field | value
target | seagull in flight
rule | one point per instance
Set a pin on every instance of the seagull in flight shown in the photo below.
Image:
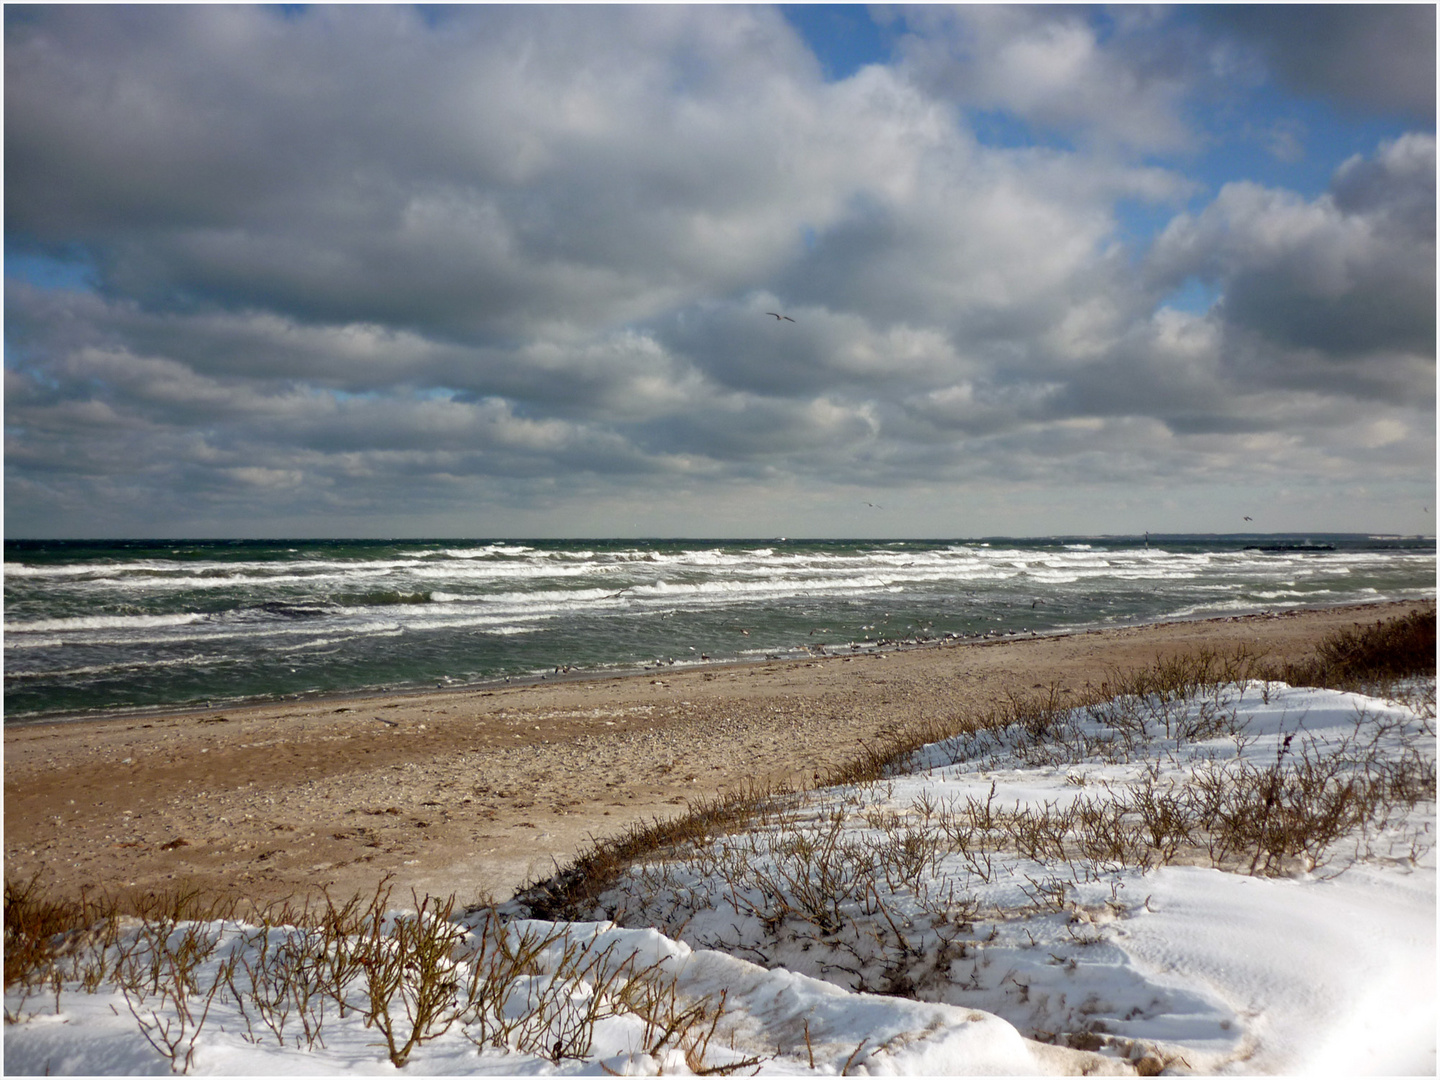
(779, 316)
(1248, 518)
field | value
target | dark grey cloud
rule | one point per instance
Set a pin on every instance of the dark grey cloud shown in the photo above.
(1368, 56)
(356, 164)
(1345, 276)
(507, 268)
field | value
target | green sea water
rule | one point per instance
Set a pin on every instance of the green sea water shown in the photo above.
(99, 626)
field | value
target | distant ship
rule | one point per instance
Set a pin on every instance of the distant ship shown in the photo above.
(1290, 547)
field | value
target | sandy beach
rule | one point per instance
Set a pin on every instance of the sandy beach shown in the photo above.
(477, 791)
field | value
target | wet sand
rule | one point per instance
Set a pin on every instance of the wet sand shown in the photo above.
(477, 791)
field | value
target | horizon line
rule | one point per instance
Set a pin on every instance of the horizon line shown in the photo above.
(772, 539)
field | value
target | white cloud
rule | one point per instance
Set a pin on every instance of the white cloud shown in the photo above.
(1052, 69)
(1349, 273)
(522, 256)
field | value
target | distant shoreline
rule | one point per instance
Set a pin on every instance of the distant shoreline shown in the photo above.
(1056, 537)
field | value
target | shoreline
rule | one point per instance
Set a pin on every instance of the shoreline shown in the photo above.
(791, 655)
(477, 790)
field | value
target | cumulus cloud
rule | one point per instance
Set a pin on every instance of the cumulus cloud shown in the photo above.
(1057, 70)
(500, 174)
(392, 267)
(1347, 276)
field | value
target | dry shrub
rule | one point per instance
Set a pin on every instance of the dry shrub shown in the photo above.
(1365, 657)
(33, 920)
(41, 927)
(411, 976)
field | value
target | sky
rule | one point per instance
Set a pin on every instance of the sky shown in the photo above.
(505, 271)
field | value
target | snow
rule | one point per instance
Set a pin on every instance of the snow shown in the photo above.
(1325, 965)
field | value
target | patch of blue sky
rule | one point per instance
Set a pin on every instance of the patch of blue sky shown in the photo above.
(1282, 142)
(48, 272)
(1005, 131)
(843, 37)
(1292, 143)
(1138, 223)
(1194, 297)
(430, 15)
(434, 16)
(23, 356)
(16, 356)
(419, 393)
(19, 14)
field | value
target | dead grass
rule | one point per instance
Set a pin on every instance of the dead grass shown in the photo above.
(574, 888)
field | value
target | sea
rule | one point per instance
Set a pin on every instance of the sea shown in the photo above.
(114, 627)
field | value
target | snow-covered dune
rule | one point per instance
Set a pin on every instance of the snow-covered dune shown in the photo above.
(1193, 964)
